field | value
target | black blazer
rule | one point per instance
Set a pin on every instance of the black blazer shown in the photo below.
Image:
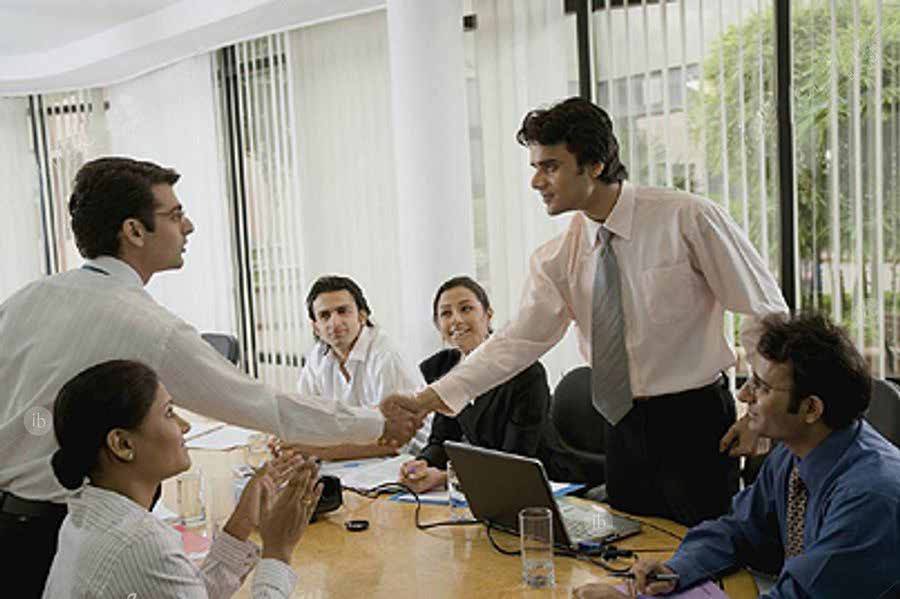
(513, 417)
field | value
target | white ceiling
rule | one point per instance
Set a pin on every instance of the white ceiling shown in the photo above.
(28, 26)
(52, 45)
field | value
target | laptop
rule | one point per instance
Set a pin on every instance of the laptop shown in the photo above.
(497, 485)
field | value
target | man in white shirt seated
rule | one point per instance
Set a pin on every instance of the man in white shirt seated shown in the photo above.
(353, 361)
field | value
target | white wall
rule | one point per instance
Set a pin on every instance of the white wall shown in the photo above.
(168, 117)
(21, 242)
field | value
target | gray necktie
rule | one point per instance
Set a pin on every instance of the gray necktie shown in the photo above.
(610, 384)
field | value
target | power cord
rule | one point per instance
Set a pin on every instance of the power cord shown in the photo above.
(605, 552)
(392, 488)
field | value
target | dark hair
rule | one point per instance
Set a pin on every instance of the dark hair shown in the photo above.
(461, 281)
(330, 283)
(586, 130)
(106, 192)
(114, 394)
(824, 363)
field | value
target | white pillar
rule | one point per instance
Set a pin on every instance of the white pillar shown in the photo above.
(431, 151)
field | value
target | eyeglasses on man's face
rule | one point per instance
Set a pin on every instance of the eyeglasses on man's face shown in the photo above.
(176, 214)
(756, 385)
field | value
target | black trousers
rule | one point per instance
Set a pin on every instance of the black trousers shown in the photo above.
(663, 458)
(29, 544)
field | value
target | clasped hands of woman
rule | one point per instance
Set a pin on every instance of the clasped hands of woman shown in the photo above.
(278, 501)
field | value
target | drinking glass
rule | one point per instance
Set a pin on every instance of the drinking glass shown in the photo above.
(536, 540)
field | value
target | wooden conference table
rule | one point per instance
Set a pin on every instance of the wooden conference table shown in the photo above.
(393, 559)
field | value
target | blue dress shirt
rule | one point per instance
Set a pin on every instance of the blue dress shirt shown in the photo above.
(852, 526)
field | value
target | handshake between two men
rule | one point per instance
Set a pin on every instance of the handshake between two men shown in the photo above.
(404, 415)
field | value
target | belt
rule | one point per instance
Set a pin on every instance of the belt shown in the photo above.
(721, 381)
(11, 504)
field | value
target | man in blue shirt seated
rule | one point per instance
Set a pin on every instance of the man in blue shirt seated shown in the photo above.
(827, 500)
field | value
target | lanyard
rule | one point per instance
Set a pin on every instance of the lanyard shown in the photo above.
(94, 269)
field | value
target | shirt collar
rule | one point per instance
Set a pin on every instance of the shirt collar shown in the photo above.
(113, 504)
(619, 221)
(814, 468)
(119, 270)
(360, 349)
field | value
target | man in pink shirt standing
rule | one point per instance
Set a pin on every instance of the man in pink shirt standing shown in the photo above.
(646, 275)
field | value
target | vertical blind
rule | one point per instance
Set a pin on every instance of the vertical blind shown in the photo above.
(692, 100)
(689, 85)
(254, 96)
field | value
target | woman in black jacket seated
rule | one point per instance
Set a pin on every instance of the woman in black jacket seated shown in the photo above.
(513, 416)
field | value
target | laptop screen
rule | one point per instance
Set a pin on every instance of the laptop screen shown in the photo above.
(498, 485)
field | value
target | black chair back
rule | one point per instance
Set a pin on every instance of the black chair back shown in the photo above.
(579, 424)
(227, 345)
(884, 409)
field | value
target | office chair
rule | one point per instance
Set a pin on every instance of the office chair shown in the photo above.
(581, 427)
(884, 409)
(227, 345)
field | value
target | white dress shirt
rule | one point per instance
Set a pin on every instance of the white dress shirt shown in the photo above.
(60, 325)
(109, 546)
(682, 263)
(376, 370)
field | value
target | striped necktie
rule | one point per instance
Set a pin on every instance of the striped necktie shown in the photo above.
(610, 382)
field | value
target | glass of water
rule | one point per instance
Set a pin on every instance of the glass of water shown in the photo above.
(256, 452)
(536, 541)
(455, 495)
(191, 494)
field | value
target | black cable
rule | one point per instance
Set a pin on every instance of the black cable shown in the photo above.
(603, 552)
(662, 530)
(581, 556)
(391, 488)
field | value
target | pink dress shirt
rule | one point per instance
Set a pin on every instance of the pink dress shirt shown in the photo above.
(682, 262)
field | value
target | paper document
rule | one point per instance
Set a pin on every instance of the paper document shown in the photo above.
(707, 590)
(225, 437)
(440, 496)
(368, 473)
(198, 429)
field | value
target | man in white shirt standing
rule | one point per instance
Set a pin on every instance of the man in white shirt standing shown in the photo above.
(352, 361)
(645, 274)
(129, 225)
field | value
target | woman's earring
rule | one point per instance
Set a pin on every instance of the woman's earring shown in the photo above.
(129, 456)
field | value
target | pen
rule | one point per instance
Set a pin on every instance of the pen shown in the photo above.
(652, 577)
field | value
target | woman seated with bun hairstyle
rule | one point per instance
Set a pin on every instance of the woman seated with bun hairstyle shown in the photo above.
(513, 417)
(119, 438)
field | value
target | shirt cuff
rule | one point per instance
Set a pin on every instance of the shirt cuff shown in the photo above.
(451, 393)
(275, 578)
(370, 429)
(688, 575)
(238, 556)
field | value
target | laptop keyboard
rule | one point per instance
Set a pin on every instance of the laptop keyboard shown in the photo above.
(583, 523)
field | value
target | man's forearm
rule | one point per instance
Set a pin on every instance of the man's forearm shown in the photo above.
(345, 451)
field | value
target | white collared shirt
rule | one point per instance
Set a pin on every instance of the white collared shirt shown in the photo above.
(109, 546)
(682, 262)
(58, 326)
(376, 370)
